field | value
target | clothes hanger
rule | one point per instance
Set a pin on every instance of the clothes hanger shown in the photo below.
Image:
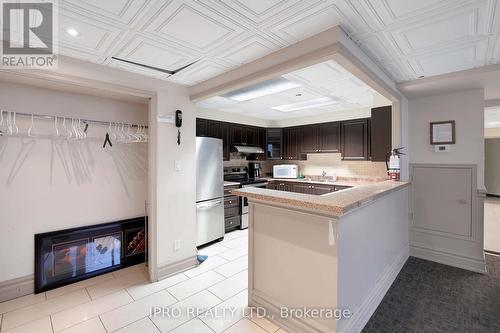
(106, 138)
(31, 127)
(55, 126)
(14, 123)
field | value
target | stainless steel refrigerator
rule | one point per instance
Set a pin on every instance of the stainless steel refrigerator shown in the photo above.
(209, 190)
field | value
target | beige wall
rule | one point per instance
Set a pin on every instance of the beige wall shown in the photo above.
(315, 164)
(333, 164)
(467, 109)
(175, 190)
(49, 185)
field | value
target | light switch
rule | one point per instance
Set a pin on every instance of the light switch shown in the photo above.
(178, 165)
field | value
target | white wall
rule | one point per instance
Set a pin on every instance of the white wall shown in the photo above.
(467, 109)
(175, 191)
(48, 185)
(171, 197)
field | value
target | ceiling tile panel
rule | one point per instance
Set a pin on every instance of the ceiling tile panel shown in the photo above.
(154, 53)
(247, 50)
(406, 38)
(119, 11)
(192, 25)
(470, 56)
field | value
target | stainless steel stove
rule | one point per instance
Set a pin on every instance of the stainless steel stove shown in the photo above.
(240, 175)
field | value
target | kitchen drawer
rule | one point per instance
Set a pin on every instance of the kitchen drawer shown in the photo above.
(232, 201)
(232, 222)
(228, 190)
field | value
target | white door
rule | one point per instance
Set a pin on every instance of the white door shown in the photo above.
(442, 200)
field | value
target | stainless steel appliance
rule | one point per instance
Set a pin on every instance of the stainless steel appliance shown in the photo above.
(241, 176)
(254, 170)
(285, 171)
(209, 190)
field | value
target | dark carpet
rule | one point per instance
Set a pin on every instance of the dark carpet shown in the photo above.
(431, 297)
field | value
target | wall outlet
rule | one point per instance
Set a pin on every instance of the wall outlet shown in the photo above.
(177, 245)
(177, 165)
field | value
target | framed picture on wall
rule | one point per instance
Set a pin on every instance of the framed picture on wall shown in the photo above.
(442, 132)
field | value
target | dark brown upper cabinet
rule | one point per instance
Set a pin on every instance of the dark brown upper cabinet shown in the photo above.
(291, 142)
(355, 139)
(329, 137)
(309, 139)
(274, 143)
(213, 129)
(321, 138)
(381, 133)
(252, 136)
(201, 127)
(238, 135)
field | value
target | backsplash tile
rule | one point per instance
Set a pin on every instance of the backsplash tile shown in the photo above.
(315, 164)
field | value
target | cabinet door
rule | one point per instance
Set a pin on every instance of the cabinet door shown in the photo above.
(355, 139)
(287, 144)
(329, 137)
(381, 133)
(302, 188)
(274, 143)
(283, 186)
(238, 135)
(226, 142)
(213, 129)
(309, 139)
(271, 186)
(201, 127)
(251, 137)
(322, 189)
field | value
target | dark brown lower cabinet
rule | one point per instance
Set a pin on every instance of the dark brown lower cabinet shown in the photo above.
(284, 186)
(322, 189)
(305, 188)
(232, 212)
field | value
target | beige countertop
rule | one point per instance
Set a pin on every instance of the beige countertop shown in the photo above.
(341, 181)
(336, 203)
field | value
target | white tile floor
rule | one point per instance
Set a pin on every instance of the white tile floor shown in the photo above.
(492, 224)
(122, 301)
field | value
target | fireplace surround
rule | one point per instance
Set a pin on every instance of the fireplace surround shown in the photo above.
(67, 256)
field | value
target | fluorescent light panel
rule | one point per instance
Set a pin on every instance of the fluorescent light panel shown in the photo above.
(310, 104)
(261, 89)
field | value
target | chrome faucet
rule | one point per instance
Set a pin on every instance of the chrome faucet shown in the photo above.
(323, 174)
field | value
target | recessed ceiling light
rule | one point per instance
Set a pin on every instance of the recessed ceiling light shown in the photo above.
(310, 104)
(261, 89)
(72, 32)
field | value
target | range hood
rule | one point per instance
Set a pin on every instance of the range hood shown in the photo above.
(246, 150)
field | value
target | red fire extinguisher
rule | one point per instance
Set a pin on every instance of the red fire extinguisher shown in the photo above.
(393, 163)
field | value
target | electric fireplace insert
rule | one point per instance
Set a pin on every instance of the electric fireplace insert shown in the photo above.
(67, 256)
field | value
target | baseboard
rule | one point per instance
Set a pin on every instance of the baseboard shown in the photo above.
(353, 324)
(450, 259)
(165, 271)
(17, 288)
(367, 308)
(291, 325)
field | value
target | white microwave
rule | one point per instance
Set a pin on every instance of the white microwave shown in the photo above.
(285, 171)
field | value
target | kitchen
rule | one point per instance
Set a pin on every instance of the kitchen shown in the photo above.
(226, 156)
(318, 157)
(321, 178)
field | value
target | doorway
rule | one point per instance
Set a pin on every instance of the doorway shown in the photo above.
(492, 180)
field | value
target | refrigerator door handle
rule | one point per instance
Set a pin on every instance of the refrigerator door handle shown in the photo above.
(202, 206)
